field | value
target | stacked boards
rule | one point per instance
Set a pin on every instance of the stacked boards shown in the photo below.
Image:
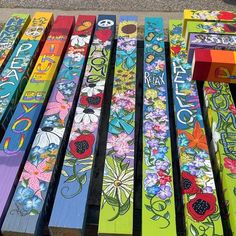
(50, 139)
(21, 63)
(70, 206)
(214, 60)
(20, 131)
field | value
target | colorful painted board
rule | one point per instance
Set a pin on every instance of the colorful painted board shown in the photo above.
(10, 35)
(18, 138)
(210, 41)
(158, 203)
(221, 113)
(205, 15)
(116, 211)
(214, 65)
(19, 66)
(73, 189)
(201, 208)
(208, 27)
(48, 142)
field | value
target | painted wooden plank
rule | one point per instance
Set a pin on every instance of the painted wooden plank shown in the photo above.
(69, 210)
(158, 203)
(206, 15)
(208, 27)
(221, 113)
(214, 65)
(201, 208)
(21, 130)
(50, 138)
(10, 35)
(20, 65)
(210, 41)
(116, 211)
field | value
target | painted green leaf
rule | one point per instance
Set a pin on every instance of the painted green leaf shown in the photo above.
(235, 191)
(124, 166)
(125, 207)
(83, 178)
(194, 230)
(231, 175)
(64, 173)
(148, 197)
(208, 224)
(155, 217)
(70, 178)
(111, 200)
(215, 217)
(148, 207)
(167, 215)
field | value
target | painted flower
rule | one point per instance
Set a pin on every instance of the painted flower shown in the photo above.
(164, 178)
(94, 100)
(162, 165)
(48, 135)
(94, 88)
(34, 174)
(79, 40)
(226, 15)
(202, 206)
(165, 192)
(120, 143)
(153, 190)
(189, 183)
(151, 180)
(22, 194)
(215, 136)
(197, 138)
(32, 204)
(61, 106)
(232, 108)
(151, 94)
(35, 154)
(117, 180)
(87, 115)
(70, 68)
(230, 164)
(82, 146)
(182, 140)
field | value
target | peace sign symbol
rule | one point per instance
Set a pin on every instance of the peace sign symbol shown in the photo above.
(105, 23)
(34, 31)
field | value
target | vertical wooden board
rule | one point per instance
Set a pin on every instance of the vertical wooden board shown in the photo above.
(210, 41)
(220, 104)
(206, 15)
(69, 210)
(21, 130)
(208, 27)
(19, 66)
(158, 203)
(116, 211)
(10, 35)
(201, 208)
(49, 140)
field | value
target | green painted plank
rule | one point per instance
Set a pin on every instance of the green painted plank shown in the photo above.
(158, 203)
(116, 213)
